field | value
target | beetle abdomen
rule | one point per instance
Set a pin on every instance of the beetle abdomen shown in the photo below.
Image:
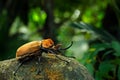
(28, 48)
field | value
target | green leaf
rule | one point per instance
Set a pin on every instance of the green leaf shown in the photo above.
(90, 68)
(100, 33)
(116, 61)
(105, 67)
(116, 46)
(98, 47)
(118, 73)
(98, 76)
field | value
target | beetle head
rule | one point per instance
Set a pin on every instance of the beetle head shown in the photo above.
(47, 43)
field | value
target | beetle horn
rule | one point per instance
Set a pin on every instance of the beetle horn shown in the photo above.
(67, 47)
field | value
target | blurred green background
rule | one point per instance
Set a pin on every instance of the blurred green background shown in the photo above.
(93, 26)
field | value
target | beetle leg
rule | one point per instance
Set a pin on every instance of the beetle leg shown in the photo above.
(61, 59)
(20, 64)
(53, 51)
(47, 50)
(39, 69)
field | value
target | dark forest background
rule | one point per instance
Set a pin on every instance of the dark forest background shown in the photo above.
(93, 26)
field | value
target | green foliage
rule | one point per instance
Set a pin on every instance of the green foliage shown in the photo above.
(98, 50)
(94, 14)
(37, 15)
(103, 57)
(116, 46)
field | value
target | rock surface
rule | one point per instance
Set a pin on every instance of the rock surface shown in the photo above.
(52, 68)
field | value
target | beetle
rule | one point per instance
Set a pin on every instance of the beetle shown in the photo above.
(35, 48)
(32, 48)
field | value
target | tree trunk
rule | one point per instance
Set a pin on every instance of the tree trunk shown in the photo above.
(49, 26)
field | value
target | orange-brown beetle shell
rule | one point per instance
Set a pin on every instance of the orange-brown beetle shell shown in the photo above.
(47, 43)
(32, 47)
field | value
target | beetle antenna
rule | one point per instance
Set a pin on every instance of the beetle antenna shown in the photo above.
(67, 47)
